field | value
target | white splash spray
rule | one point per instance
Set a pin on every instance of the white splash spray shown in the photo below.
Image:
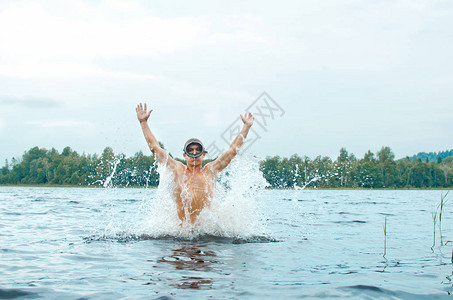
(108, 181)
(233, 213)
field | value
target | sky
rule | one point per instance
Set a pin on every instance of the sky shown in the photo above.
(342, 73)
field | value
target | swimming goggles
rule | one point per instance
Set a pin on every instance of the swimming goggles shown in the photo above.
(195, 155)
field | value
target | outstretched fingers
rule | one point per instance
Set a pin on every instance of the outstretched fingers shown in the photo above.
(142, 113)
(141, 107)
(248, 119)
(247, 116)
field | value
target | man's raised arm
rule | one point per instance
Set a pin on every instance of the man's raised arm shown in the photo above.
(159, 153)
(225, 158)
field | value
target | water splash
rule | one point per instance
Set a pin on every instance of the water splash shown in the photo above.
(314, 179)
(306, 184)
(233, 213)
(296, 197)
(108, 180)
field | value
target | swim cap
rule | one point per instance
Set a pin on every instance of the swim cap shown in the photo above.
(197, 142)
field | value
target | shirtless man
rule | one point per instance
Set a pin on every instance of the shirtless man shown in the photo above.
(194, 184)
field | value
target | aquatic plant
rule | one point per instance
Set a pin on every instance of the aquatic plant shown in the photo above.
(385, 236)
(437, 216)
(434, 215)
(441, 207)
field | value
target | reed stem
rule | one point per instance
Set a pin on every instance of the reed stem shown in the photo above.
(434, 214)
(441, 207)
(385, 237)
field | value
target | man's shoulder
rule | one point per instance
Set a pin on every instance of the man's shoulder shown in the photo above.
(180, 167)
(208, 169)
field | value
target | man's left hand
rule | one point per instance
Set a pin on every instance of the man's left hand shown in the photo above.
(248, 119)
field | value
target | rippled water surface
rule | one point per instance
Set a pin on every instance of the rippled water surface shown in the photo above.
(76, 242)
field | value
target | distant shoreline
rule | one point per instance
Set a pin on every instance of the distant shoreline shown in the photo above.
(267, 188)
(365, 189)
(75, 186)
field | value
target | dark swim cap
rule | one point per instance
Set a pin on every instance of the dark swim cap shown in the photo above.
(191, 142)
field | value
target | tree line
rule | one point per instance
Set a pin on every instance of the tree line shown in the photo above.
(433, 156)
(380, 170)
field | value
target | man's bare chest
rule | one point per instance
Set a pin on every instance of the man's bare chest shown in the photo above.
(197, 182)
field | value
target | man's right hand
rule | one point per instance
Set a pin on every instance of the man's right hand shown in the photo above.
(142, 114)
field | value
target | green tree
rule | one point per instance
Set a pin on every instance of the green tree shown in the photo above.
(421, 175)
(368, 172)
(5, 168)
(446, 166)
(344, 168)
(323, 169)
(437, 174)
(404, 172)
(388, 166)
(105, 167)
(269, 167)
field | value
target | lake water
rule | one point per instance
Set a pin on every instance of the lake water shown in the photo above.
(83, 242)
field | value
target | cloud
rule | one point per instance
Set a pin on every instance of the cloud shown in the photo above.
(82, 31)
(65, 70)
(51, 42)
(60, 123)
(35, 102)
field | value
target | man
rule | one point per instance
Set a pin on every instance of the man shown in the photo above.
(194, 185)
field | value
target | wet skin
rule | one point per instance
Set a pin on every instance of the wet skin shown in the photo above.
(194, 184)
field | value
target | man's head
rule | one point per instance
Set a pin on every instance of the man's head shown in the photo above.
(194, 148)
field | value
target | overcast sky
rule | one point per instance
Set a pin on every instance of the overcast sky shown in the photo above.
(344, 73)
